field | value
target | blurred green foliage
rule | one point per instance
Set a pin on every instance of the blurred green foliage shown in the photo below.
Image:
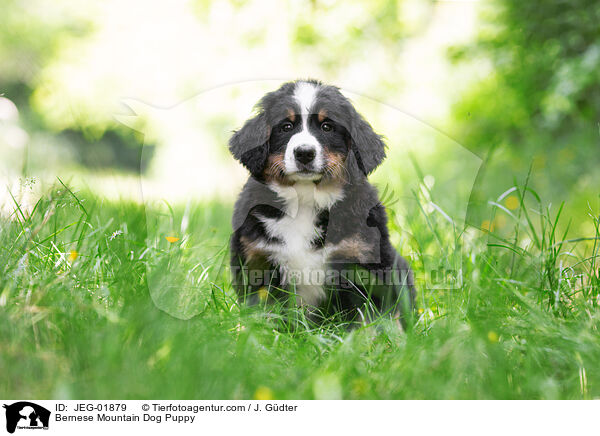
(61, 64)
(546, 73)
(539, 104)
(32, 34)
(340, 33)
(29, 37)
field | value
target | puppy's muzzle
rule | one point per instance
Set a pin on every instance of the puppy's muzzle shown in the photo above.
(304, 155)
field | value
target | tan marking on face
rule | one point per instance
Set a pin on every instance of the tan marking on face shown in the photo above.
(335, 167)
(291, 115)
(274, 170)
(322, 115)
(353, 248)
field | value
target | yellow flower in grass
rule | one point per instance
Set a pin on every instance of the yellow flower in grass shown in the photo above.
(263, 393)
(487, 226)
(263, 293)
(73, 255)
(172, 239)
(512, 202)
(492, 337)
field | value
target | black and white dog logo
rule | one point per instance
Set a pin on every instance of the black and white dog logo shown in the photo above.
(26, 415)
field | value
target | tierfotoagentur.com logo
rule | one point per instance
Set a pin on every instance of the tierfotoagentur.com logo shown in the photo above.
(26, 415)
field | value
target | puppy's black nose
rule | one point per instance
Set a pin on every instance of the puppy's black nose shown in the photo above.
(305, 155)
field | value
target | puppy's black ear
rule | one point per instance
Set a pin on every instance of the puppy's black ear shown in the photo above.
(368, 146)
(250, 145)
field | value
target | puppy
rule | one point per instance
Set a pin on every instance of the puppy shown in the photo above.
(308, 226)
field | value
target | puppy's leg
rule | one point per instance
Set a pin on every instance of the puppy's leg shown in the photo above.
(362, 292)
(401, 292)
(251, 280)
(254, 278)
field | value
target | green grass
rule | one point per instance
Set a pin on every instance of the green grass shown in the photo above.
(135, 316)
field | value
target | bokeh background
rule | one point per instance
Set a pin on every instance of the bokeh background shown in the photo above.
(103, 92)
(115, 180)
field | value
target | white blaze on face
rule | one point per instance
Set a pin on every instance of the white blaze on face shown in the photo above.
(305, 95)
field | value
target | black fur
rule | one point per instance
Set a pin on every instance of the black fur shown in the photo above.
(249, 144)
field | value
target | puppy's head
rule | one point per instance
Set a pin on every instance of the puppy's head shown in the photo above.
(307, 131)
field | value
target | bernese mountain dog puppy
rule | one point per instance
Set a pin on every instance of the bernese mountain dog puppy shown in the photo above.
(309, 228)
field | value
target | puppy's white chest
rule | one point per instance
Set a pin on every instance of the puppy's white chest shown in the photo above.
(296, 252)
(302, 264)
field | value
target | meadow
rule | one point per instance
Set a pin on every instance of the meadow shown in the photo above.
(100, 299)
(490, 112)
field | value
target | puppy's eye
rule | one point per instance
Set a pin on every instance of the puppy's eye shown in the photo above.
(286, 127)
(326, 127)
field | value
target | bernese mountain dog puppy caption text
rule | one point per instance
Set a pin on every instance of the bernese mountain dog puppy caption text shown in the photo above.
(309, 229)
